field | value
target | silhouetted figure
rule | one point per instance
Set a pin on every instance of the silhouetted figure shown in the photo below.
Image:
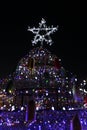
(76, 125)
(31, 110)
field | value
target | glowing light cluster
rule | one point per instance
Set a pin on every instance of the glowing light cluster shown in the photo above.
(41, 75)
(42, 33)
(83, 91)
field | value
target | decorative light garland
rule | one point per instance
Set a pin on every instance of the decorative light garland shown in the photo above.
(40, 35)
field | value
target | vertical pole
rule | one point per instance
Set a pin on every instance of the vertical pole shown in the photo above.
(39, 127)
(71, 124)
(26, 114)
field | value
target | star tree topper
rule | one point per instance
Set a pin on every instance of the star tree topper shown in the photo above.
(42, 33)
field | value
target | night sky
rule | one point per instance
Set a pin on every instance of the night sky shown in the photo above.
(69, 41)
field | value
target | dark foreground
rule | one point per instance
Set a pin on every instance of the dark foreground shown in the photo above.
(45, 120)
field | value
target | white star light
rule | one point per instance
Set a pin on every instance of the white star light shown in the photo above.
(42, 33)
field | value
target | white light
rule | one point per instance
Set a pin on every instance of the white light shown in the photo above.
(84, 81)
(75, 79)
(4, 106)
(46, 94)
(59, 59)
(80, 89)
(37, 108)
(66, 86)
(20, 67)
(3, 90)
(70, 108)
(22, 108)
(58, 91)
(69, 92)
(66, 77)
(35, 77)
(26, 91)
(85, 91)
(1, 108)
(42, 37)
(26, 76)
(85, 105)
(13, 108)
(64, 108)
(81, 84)
(52, 108)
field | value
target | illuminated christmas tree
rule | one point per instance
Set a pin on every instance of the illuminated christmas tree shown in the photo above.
(41, 78)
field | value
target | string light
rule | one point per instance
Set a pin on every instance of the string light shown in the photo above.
(40, 35)
(41, 76)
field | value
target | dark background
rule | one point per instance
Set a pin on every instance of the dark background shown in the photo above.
(69, 41)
